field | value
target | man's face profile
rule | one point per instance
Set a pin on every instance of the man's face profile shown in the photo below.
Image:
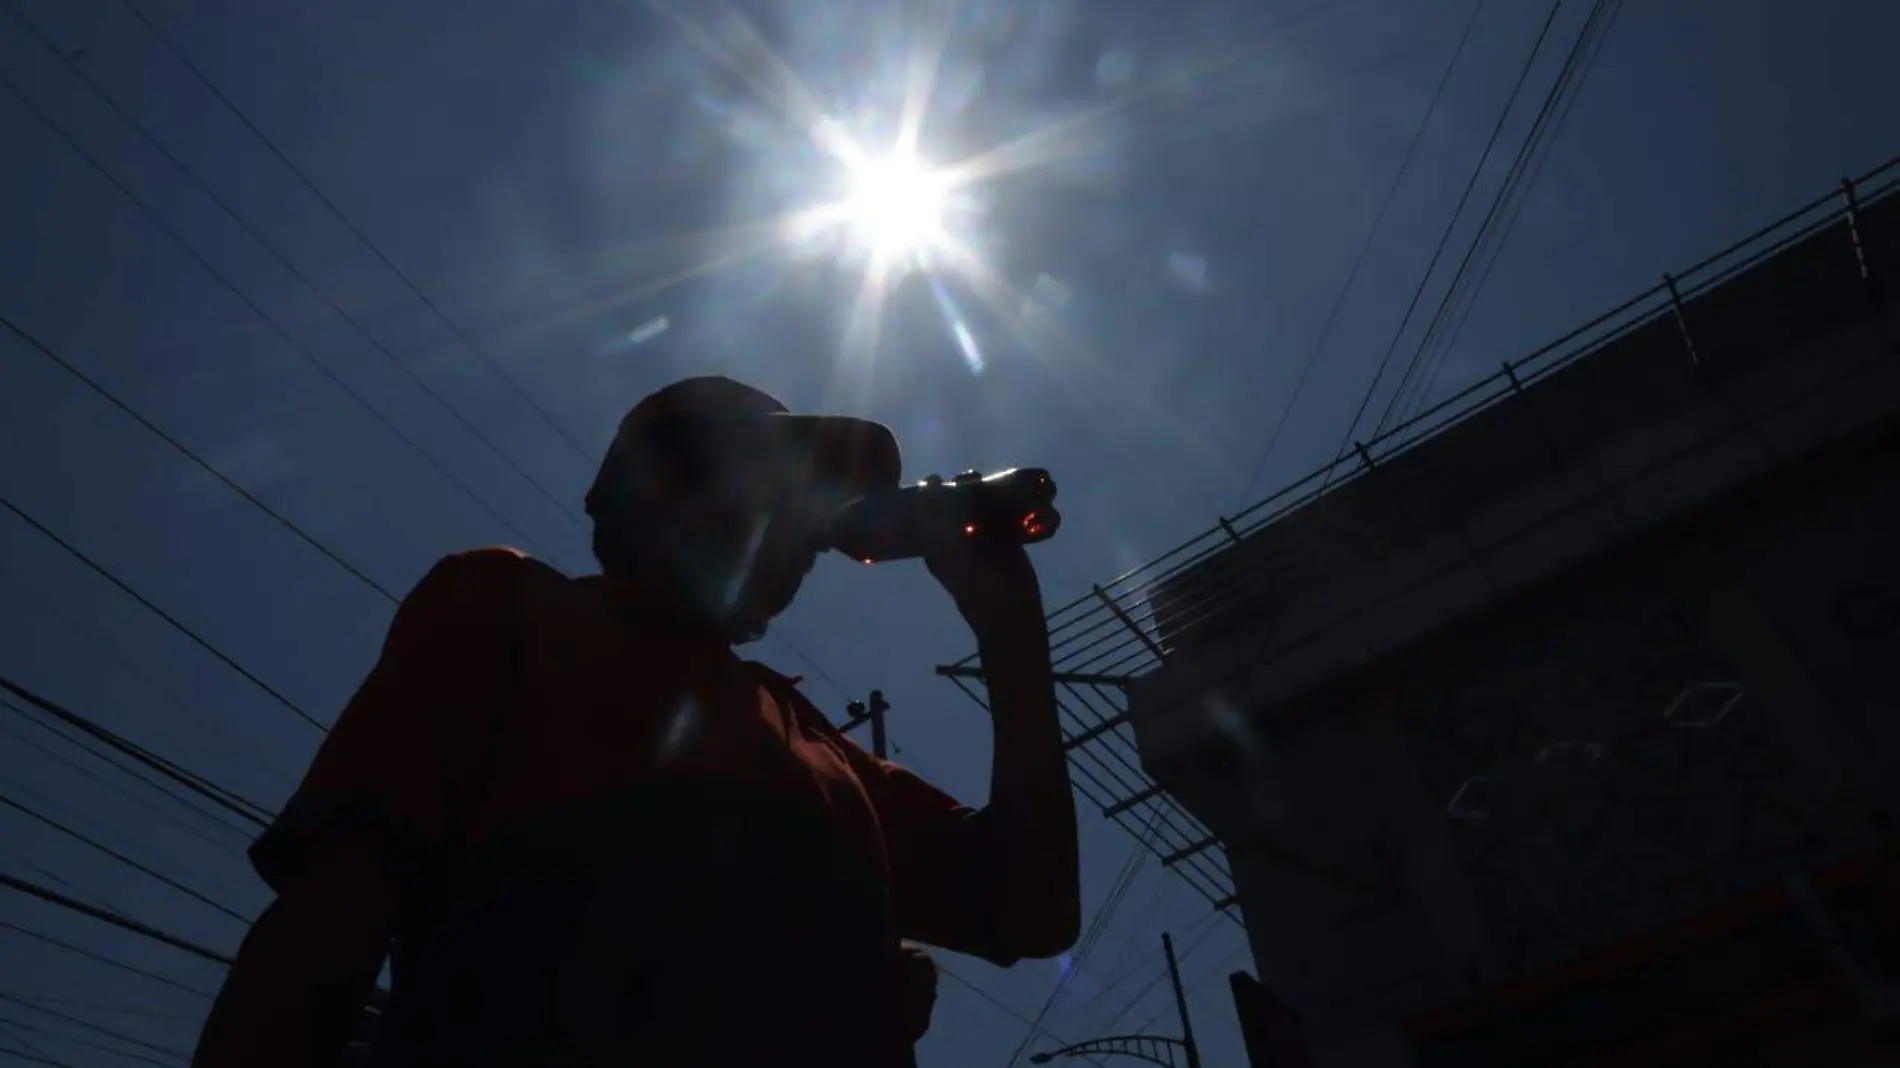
(734, 525)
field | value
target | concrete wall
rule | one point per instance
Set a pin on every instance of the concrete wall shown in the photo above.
(1398, 557)
(1684, 719)
(1533, 614)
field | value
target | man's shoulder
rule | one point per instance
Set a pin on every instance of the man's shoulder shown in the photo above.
(482, 577)
(783, 688)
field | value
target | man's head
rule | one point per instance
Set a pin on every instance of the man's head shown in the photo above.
(715, 492)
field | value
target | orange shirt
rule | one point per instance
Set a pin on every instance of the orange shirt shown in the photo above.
(619, 841)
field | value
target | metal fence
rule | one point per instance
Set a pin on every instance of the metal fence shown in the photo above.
(1105, 639)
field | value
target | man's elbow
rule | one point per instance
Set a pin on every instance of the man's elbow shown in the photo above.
(1040, 933)
(295, 992)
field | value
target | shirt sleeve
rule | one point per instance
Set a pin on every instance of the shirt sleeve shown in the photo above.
(944, 890)
(388, 775)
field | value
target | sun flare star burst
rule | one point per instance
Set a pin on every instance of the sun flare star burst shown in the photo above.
(895, 204)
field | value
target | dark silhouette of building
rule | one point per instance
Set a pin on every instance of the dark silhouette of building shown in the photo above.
(1557, 725)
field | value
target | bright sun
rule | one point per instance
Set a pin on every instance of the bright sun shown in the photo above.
(896, 204)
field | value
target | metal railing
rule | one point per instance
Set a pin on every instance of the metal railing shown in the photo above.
(1105, 639)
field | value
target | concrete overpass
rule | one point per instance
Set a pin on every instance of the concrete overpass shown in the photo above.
(1588, 650)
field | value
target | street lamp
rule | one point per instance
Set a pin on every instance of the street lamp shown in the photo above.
(1155, 1049)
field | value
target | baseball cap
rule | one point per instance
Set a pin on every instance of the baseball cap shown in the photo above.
(855, 454)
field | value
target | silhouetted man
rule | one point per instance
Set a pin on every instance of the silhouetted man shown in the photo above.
(586, 833)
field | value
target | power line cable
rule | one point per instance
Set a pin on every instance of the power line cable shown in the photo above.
(55, 607)
(38, 1056)
(54, 878)
(151, 214)
(106, 784)
(7, 1029)
(110, 1010)
(1084, 946)
(146, 209)
(1123, 965)
(203, 186)
(229, 800)
(1154, 957)
(47, 351)
(1506, 192)
(101, 958)
(1533, 157)
(1365, 246)
(135, 865)
(1188, 951)
(1445, 238)
(997, 1003)
(125, 588)
(203, 262)
(107, 916)
(210, 86)
(1195, 986)
(1093, 789)
(95, 1028)
(270, 145)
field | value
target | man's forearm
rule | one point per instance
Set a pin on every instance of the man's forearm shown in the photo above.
(1031, 803)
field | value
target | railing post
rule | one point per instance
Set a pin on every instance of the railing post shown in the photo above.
(1127, 621)
(1510, 372)
(1682, 320)
(1854, 235)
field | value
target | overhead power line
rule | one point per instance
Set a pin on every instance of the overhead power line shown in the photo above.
(997, 1003)
(135, 865)
(90, 383)
(1365, 246)
(125, 588)
(146, 135)
(232, 802)
(1084, 950)
(1422, 371)
(104, 783)
(238, 113)
(110, 1010)
(191, 252)
(1444, 239)
(124, 923)
(101, 958)
(34, 1058)
(99, 1029)
(1206, 932)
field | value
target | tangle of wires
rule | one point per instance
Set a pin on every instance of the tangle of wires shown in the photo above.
(1474, 269)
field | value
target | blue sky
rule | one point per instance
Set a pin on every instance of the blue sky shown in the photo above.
(559, 178)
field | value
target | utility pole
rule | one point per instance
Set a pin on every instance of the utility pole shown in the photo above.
(1155, 1049)
(857, 715)
(1180, 1003)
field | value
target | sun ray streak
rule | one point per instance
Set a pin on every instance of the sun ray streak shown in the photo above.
(924, 62)
(771, 80)
(1045, 144)
(741, 243)
(1085, 374)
